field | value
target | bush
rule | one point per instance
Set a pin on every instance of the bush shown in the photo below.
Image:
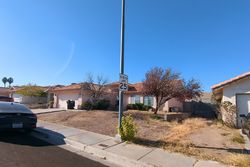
(87, 105)
(247, 124)
(128, 129)
(99, 105)
(138, 106)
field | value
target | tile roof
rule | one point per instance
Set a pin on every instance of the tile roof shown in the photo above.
(227, 82)
(69, 87)
(133, 88)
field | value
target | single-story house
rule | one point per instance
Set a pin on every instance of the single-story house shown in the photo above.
(72, 92)
(134, 95)
(4, 91)
(237, 92)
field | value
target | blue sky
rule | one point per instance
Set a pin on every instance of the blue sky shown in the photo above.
(49, 42)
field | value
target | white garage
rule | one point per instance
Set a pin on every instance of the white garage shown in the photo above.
(63, 98)
(237, 92)
(63, 94)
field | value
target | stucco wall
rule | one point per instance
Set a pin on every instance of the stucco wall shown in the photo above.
(4, 92)
(230, 91)
(171, 103)
(28, 99)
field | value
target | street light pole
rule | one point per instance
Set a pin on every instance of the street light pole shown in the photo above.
(121, 67)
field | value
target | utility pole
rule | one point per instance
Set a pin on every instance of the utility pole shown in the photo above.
(118, 137)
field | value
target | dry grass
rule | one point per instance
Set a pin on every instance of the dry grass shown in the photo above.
(172, 136)
(238, 138)
(234, 159)
(239, 160)
(180, 131)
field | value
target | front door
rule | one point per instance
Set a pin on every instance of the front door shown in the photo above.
(243, 106)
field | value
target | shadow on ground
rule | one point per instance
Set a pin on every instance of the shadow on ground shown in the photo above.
(22, 138)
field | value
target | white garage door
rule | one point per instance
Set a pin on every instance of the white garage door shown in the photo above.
(243, 106)
(63, 98)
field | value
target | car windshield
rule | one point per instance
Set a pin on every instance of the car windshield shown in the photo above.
(8, 107)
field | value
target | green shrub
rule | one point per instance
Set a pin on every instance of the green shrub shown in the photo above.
(98, 105)
(87, 105)
(138, 106)
(128, 129)
(32, 90)
(247, 124)
(101, 105)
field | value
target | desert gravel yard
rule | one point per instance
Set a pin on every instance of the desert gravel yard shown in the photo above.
(204, 139)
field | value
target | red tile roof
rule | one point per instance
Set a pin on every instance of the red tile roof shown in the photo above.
(133, 88)
(227, 82)
(69, 87)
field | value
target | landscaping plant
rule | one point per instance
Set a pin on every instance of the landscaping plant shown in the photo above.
(128, 129)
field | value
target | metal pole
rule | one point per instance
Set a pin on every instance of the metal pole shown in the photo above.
(121, 62)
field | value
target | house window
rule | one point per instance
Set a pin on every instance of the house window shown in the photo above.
(135, 99)
(148, 101)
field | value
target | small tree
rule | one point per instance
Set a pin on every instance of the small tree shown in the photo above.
(96, 89)
(4, 80)
(32, 90)
(167, 84)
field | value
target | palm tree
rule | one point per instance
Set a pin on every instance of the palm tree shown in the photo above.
(4, 80)
(10, 80)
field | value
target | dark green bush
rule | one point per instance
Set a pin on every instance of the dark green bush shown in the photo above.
(138, 106)
(98, 105)
(87, 105)
(101, 105)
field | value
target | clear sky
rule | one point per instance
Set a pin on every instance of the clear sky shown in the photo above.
(59, 41)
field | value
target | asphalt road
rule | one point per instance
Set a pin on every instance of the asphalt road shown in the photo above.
(22, 150)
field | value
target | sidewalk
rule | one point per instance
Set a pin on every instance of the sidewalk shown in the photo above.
(122, 154)
(46, 111)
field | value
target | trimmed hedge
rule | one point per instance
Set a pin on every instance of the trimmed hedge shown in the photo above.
(99, 105)
(138, 106)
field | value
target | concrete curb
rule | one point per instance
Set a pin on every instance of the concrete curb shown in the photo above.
(111, 157)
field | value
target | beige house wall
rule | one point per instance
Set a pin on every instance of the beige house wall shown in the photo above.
(4, 92)
(61, 98)
(165, 107)
(230, 91)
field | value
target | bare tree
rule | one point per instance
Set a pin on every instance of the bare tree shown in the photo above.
(95, 88)
(167, 84)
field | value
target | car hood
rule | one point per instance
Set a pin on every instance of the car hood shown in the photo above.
(9, 107)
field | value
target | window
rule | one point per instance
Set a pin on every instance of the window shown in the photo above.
(148, 101)
(135, 99)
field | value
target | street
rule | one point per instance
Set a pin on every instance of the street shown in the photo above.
(22, 150)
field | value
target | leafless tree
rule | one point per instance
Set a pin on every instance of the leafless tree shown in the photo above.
(167, 84)
(95, 87)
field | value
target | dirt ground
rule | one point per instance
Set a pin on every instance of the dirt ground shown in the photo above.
(106, 122)
(205, 139)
